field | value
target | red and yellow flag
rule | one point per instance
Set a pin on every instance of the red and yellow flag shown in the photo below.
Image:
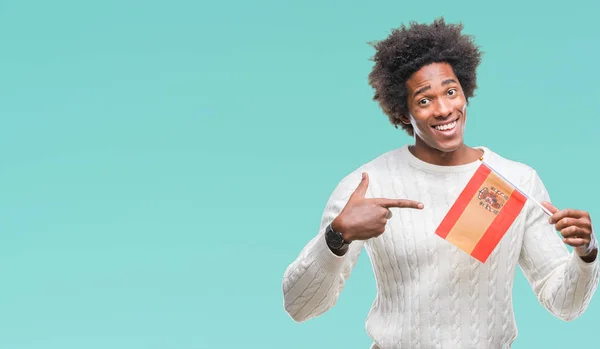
(482, 214)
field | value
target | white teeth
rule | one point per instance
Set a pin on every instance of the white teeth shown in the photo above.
(446, 127)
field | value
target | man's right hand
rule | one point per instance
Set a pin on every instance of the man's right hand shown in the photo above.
(362, 218)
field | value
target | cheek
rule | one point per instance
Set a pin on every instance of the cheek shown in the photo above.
(420, 121)
(461, 104)
(421, 127)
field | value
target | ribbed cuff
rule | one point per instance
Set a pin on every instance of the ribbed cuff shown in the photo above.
(327, 260)
(593, 243)
(583, 265)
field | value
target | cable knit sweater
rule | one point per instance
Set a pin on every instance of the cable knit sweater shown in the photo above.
(430, 294)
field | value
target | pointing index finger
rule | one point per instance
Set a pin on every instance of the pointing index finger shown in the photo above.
(387, 203)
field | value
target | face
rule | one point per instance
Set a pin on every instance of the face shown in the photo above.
(436, 106)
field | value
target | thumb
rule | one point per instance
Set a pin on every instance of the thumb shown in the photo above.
(361, 190)
(550, 207)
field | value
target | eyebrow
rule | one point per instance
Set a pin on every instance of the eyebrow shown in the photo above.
(421, 90)
(428, 87)
(448, 82)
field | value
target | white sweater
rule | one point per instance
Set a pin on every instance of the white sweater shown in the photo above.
(430, 294)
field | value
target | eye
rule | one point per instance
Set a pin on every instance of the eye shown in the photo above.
(424, 102)
(451, 92)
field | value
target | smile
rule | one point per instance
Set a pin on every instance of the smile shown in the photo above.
(446, 127)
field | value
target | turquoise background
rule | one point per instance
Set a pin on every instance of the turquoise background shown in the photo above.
(164, 161)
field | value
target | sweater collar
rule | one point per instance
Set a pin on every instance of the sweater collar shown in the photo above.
(422, 165)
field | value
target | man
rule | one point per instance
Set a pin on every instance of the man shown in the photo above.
(430, 294)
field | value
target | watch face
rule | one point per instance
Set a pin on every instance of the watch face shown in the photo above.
(334, 239)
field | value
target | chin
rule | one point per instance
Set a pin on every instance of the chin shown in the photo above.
(449, 146)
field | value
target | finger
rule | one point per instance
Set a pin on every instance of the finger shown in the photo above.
(388, 214)
(550, 207)
(568, 212)
(387, 203)
(568, 222)
(574, 231)
(575, 242)
(361, 189)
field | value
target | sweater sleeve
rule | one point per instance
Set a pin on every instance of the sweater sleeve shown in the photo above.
(562, 281)
(312, 283)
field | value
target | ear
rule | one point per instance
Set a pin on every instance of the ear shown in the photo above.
(405, 119)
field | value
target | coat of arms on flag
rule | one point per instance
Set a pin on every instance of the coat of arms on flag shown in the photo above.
(482, 213)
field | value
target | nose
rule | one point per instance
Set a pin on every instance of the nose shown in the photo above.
(444, 108)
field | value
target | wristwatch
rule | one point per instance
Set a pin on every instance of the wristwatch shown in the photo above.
(334, 239)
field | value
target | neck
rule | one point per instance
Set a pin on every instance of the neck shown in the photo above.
(460, 156)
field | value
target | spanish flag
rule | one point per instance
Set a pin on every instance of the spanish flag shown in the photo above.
(482, 214)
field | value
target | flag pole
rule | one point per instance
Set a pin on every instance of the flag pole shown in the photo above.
(516, 188)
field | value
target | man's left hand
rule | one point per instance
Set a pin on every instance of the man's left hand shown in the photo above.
(575, 226)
